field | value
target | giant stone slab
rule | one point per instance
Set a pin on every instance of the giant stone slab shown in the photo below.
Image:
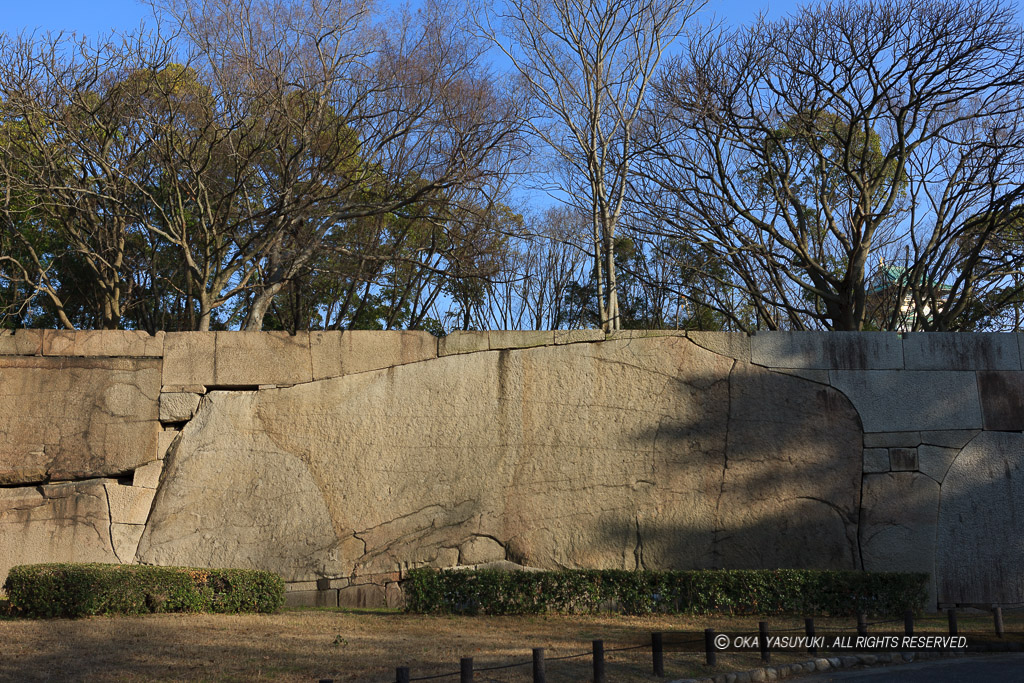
(73, 418)
(897, 401)
(66, 522)
(827, 350)
(605, 455)
(980, 547)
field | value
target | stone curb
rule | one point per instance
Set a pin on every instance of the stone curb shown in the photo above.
(774, 673)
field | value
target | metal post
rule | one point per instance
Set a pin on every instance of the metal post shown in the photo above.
(809, 630)
(908, 622)
(402, 674)
(709, 647)
(762, 641)
(598, 661)
(466, 670)
(953, 629)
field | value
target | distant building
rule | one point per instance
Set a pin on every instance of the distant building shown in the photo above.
(883, 291)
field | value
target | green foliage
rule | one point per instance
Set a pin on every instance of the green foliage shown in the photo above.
(79, 590)
(739, 592)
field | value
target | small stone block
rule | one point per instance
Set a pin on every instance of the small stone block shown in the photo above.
(148, 476)
(515, 339)
(961, 351)
(183, 389)
(21, 342)
(178, 407)
(876, 459)
(367, 595)
(463, 342)
(189, 358)
(578, 336)
(164, 439)
(311, 598)
(892, 440)
(903, 459)
(292, 586)
(254, 358)
(1002, 400)
(893, 400)
(103, 343)
(125, 539)
(129, 504)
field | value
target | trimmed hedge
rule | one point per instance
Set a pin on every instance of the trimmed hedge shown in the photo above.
(79, 590)
(716, 591)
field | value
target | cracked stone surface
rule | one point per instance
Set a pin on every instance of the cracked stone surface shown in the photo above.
(75, 418)
(980, 552)
(610, 455)
(68, 522)
(898, 523)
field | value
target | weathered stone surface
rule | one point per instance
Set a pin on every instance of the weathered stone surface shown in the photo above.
(735, 345)
(948, 438)
(898, 521)
(463, 342)
(516, 339)
(73, 418)
(183, 389)
(935, 460)
(178, 407)
(148, 476)
(164, 440)
(819, 376)
(578, 336)
(481, 549)
(876, 459)
(346, 353)
(961, 351)
(827, 350)
(368, 595)
(54, 523)
(232, 498)
(394, 596)
(980, 553)
(189, 358)
(254, 358)
(1002, 400)
(894, 401)
(903, 459)
(125, 539)
(892, 440)
(21, 342)
(311, 598)
(594, 455)
(129, 504)
(800, 510)
(110, 343)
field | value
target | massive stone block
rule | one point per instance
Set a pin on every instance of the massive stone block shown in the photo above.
(67, 522)
(110, 343)
(897, 401)
(73, 418)
(790, 497)
(21, 342)
(611, 455)
(827, 350)
(897, 528)
(346, 353)
(980, 557)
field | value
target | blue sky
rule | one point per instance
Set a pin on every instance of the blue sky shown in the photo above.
(90, 17)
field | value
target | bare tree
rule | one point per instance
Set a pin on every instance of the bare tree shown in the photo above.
(586, 66)
(848, 164)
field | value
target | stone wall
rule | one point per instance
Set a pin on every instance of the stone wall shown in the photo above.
(341, 460)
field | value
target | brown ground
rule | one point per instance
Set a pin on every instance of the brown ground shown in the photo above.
(309, 645)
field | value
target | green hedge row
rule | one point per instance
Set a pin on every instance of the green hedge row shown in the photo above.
(765, 592)
(78, 590)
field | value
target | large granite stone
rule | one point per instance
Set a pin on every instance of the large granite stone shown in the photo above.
(21, 342)
(827, 350)
(1002, 400)
(899, 401)
(961, 351)
(607, 455)
(66, 522)
(189, 358)
(346, 353)
(254, 358)
(74, 418)
(980, 553)
(897, 529)
(790, 493)
(110, 343)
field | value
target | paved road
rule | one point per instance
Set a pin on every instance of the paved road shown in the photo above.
(1008, 668)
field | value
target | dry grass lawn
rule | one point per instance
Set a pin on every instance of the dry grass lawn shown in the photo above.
(309, 645)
